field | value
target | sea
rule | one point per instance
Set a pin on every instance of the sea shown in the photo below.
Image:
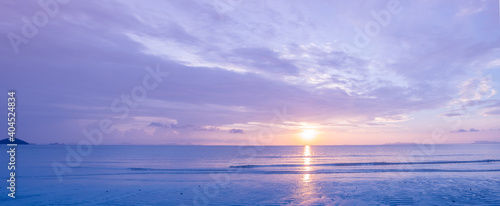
(454, 174)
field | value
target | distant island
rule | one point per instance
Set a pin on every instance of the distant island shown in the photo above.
(16, 141)
(486, 142)
(56, 143)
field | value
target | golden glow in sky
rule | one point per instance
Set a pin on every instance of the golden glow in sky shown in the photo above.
(308, 134)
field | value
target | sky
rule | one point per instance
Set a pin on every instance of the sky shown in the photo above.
(239, 72)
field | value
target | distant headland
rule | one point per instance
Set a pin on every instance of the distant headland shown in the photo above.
(16, 141)
(486, 142)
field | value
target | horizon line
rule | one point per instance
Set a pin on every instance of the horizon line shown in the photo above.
(386, 144)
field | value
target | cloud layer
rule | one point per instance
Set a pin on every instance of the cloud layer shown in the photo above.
(230, 65)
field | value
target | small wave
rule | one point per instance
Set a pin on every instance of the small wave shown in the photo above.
(177, 170)
(367, 164)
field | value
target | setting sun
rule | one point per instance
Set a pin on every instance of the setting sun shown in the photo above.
(308, 134)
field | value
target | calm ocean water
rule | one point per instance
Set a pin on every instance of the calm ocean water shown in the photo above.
(462, 174)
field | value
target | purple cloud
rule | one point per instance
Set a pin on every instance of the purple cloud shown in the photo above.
(452, 114)
(493, 112)
(463, 130)
(206, 129)
(236, 131)
(473, 130)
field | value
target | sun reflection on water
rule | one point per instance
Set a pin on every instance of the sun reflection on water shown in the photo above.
(306, 178)
(308, 192)
(307, 151)
(307, 162)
